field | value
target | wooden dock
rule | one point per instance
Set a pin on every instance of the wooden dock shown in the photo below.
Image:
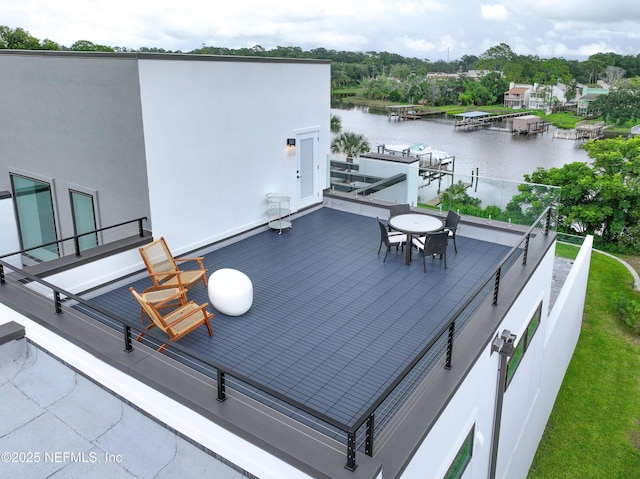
(409, 112)
(589, 130)
(475, 119)
(402, 112)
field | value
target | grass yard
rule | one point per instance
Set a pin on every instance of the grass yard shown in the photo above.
(594, 429)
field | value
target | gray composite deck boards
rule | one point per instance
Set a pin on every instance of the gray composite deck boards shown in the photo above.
(331, 325)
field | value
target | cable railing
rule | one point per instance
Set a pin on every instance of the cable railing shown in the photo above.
(440, 347)
(76, 239)
(449, 332)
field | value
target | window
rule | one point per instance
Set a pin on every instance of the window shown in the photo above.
(462, 459)
(36, 220)
(523, 344)
(84, 219)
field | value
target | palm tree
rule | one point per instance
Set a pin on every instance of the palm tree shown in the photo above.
(351, 144)
(336, 124)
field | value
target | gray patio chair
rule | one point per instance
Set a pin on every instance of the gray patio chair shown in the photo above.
(431, 245)
(389, 239)
(395, 210)
(451, 226)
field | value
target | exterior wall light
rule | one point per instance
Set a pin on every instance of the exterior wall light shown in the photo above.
(291, 142)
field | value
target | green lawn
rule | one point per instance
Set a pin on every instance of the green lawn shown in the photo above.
(594, 429)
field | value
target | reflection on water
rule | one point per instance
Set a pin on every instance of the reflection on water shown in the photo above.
(495, 154)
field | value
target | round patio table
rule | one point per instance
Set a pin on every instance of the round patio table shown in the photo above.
(415, 224)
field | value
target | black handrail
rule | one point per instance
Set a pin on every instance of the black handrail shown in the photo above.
(451, 323)
(76, 237)
(221, 370)
(129, 326)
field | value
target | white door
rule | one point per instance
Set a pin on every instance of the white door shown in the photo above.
(307, 153)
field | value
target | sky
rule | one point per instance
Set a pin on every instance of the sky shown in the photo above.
(426, 29)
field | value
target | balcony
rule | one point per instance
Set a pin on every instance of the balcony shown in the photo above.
(335, 336)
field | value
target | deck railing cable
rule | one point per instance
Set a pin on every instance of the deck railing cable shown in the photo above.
(520, 248)
(368, 417)
(76, 238)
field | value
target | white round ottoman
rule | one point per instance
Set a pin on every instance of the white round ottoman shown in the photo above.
(230, 291)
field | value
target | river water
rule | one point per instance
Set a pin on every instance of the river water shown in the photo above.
(494, 153)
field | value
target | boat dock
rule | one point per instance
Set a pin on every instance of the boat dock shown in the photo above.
(529, 125)
(584, 130)
(409, 112)
(474, 119)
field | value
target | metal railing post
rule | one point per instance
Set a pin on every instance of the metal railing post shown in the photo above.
(450, 345)
(351, 451)
(140, 230)
(76, 244)
(222, 386)
(2, 280)
(526, 249)
(128, 346)
(368, 445)
(496, 286)
(56, 301)
(547, 225)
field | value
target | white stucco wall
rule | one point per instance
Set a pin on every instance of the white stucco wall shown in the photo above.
(9, 241)
(530, 403)
(215, 138)
(471, 405)
(530, 396)
(94, 274)
(405, 192)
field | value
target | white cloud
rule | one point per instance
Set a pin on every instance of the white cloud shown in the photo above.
(494, 12)
(579, 11)
(422, 28)
(417, 44)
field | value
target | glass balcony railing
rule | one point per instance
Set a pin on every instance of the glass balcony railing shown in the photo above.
(442, 189)
(490, 198)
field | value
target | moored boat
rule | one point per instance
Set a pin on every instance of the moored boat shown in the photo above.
(429, 156)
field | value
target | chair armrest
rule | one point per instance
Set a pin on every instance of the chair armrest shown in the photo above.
(195, 258)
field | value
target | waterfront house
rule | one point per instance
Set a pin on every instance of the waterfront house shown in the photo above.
(517, 96)
(346, 366)
(588, 95)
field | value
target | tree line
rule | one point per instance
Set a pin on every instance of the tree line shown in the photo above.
(393, 77)
(353, 67)
(601, 198)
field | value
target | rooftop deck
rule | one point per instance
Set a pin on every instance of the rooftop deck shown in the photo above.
(331, 325)
(331, 332)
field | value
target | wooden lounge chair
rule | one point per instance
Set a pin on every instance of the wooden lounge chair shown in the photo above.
(163, 267)
(178, 322)
(163, 297)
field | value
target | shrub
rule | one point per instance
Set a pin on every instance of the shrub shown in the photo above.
(628, 310)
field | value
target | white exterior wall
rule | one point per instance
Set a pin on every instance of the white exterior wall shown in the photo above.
(215, 137)
(405, 192)
(9, 240)
(94, 274)
(530, 396)
(472, 404)
(538, 385)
